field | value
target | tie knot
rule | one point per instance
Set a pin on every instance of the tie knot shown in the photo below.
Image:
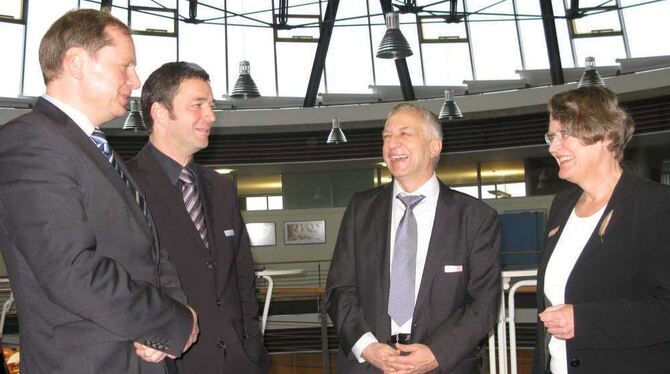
(99, 137)
(186, 176)
(410, 201)
(101, 142)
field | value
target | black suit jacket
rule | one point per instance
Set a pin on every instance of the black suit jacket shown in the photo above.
(219, 282)
(84, 268)
(620, 285)
(454, 311)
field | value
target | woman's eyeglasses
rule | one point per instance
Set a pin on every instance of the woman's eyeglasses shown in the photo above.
(550, 136)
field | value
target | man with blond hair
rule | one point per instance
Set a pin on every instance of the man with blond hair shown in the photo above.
(94, 292)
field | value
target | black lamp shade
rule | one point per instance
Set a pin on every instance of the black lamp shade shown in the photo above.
(450, 110)
(393, 44)
(336, 135)
(590, 77)
(245, 87)
(134, 122)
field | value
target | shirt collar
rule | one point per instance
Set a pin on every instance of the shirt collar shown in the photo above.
(171, 167)
(430, 189)
(75, 115)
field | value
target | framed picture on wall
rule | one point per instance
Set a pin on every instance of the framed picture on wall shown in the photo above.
(262, 233)
(305, 232)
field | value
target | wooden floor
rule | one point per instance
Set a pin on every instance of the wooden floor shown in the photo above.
(311, 363)
(300, 363)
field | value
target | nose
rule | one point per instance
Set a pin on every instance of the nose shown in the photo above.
(210, 115)
(555, 144)
(133, 79)
(391, 141)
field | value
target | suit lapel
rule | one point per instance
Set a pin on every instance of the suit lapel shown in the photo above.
(437, 246)
(555, 229)
(219, 212)
(164, 189)
(382, 254)
(74, 133)
(612, 214)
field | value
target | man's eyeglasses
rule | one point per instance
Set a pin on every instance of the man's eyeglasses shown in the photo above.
(550, 136)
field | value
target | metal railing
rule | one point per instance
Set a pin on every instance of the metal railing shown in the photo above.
(319, 335)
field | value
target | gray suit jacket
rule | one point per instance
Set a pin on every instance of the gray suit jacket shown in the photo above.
(454, 311)
(84, 267)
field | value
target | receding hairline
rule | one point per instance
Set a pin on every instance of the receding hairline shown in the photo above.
(421, 113)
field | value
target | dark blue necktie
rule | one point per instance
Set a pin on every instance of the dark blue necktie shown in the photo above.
(104, 147)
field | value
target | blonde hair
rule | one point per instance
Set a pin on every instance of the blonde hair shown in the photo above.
(84, 28)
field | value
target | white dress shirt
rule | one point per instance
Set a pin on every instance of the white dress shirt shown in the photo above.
(570, 245)
(77, 116)
(424, 212)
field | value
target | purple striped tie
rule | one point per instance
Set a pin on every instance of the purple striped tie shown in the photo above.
(193, 204)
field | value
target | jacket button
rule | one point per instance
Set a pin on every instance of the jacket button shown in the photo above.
(210, 265)
(219, 302)
(574, 362)
(221, 344)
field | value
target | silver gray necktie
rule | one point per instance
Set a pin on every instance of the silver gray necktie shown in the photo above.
(403, 268)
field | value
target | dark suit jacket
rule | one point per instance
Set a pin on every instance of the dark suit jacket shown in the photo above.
(453, 312)
(620, 285)
(219, 283)
(84, 269)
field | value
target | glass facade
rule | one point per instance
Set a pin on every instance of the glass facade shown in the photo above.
(484, 39)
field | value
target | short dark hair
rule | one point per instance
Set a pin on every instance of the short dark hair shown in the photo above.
(592, 114)
(84, 28)
(163, 83)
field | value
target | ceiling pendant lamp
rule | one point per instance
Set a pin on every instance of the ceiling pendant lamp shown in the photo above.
(134, 122)
(590, 77)
(106, 6)
(245, 87)
(393, 44)
(450, 110)
(336, 135)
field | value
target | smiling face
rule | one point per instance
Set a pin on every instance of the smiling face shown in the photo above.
(577, 161)
(108, 78)
(185, 130)
(409, 149)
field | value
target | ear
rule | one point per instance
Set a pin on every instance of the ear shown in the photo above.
(159, 113)
(74, 62)
(435, 147)
(607, 141)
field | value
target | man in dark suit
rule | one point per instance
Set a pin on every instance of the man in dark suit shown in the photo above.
(199, 222)
(414, 280)
(92, 291)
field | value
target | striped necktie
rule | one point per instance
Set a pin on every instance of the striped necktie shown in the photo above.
(103, 145)
(403, 268)
(189, 190)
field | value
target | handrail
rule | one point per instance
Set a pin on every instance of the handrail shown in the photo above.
(508, 283)
(291, 262)
(512, 322)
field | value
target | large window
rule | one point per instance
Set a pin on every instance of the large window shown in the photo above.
(596, 31)
(494, 36)
(445, 51)
(348, 63)
(479, 39)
